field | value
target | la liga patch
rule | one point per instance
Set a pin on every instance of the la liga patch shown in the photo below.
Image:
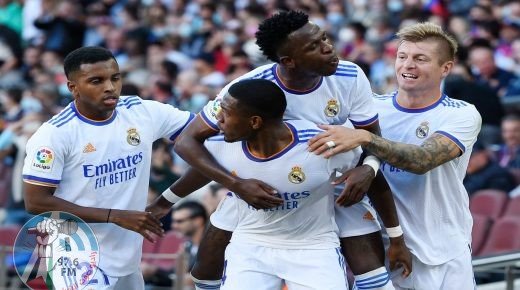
(43, 159)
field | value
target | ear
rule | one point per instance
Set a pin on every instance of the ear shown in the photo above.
(256, 122)
(446, 68)
(287, 61)
(72, 88)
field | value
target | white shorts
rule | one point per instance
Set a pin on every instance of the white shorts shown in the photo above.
(456, 274)
(356, 220)
(225, 216)
(256, 267)
(100, 281)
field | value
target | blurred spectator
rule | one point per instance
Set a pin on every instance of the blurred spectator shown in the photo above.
(11, 15)
(189, 218)
(10, 57)
(481, 58)
(239, 64)
(461, 85)
(484, 173)
(30, 12)
(508, 154)
(173, 43)
(515, 57)
(187, 90)
(161, 175)
(209, 77)
(215, 193)
(62, 26)
(352, 38)
(31, 62)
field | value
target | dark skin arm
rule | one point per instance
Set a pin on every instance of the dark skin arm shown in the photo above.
(357, 180)
(190, 147)
(381, 197)
(190, 181)
(40, 199)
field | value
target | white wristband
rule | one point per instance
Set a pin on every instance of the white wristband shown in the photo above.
(170, 196)
(373, 162)
(394, 232)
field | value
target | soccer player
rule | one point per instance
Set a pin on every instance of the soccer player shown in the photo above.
(319, 88)
(297, 241)
(426, 145)
(93, 160)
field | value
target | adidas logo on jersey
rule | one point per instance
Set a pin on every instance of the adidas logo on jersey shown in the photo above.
(89, 148)
(368, 216)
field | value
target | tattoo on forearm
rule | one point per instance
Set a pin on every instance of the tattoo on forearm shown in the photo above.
(435, 151)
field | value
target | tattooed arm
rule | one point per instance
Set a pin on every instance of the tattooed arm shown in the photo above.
(434, 151)
(418, 159)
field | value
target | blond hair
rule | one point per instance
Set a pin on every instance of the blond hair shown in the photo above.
(429, 31)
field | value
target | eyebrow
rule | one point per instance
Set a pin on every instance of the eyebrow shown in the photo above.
(315, 37)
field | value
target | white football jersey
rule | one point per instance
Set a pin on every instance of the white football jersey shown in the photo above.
(433, 208)
(303, 180)
(104, 164)
(344, 95)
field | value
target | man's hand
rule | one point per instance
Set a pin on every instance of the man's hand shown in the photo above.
(357, 181)
(256, 193)
(399, 256)
(345, 139)
(159, 207)
(140, 222)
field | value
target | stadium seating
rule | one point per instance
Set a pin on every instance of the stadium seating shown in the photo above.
(479, 234)
(513, 207)
(150, 248)
(8, 235)
(169, 244)
(488, 202)
(503, 237)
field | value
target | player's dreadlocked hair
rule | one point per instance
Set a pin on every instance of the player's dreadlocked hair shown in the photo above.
(274, 30)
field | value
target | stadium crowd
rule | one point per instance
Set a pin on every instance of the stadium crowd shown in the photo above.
(184, 52)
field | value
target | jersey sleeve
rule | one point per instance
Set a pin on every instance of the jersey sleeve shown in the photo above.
(462, 127)
(168, 121)
(344, 161)
(212, 108)
(363, 111)
(45, 157)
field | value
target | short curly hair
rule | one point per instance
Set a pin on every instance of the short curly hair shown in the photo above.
(273, 31)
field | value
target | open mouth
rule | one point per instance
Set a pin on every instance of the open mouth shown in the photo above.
(409, 76)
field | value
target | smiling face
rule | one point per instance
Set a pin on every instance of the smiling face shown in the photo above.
(310, 49)
(419, 68)
(96, 88)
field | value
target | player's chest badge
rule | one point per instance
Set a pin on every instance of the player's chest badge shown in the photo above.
(133, 137)
(296, 175)
(423, 130)
(332, 108)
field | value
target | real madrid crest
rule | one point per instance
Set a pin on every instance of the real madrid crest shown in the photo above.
(332, 109)
(423, 130)
(215, 109)
(133, 137)
(296, 175)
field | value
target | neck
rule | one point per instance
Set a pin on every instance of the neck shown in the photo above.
(97, 116)
(417, 100)
(271, 140)
(297, 79)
